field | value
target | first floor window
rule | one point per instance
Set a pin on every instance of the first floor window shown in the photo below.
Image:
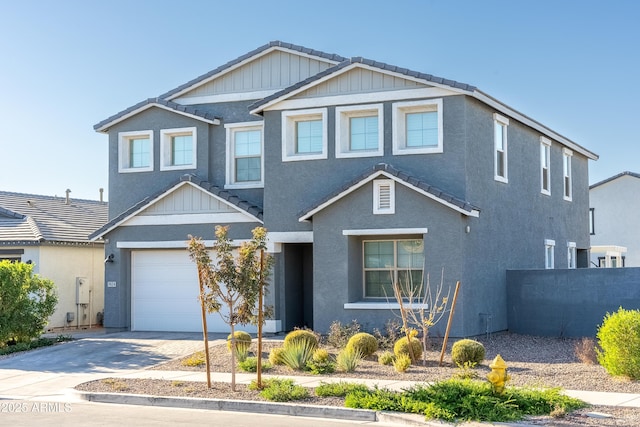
(549, 246)
(392, 261)
(135, 151)
(178, 150)
(571, 255)
(244, 155)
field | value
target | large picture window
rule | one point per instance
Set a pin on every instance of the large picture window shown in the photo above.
(389, 261)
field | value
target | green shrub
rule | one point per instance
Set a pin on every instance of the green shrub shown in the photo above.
(386, 358)
(619, 339)
(465, 400)
(321, 362)
(297, 354)
(281, 390)
(366, 343)
(465, 351)
(243, 343)
(275, 356)
(301, 335)
(402, 347)
(348, 359)
(195, 360)
(339, 389)
(339, 334)
(250, 364)
(26, 302)
(401, 363)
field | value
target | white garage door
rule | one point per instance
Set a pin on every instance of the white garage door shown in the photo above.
(164, 294)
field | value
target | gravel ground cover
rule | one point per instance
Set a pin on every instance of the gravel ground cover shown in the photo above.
(532, 361)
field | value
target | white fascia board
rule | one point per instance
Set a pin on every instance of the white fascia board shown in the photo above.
(533, 124)
(169, 244)
(106, 126)
(184, 219)
(224, 97)
(473, 213)
(361, 98)
(384, 231)
(246, 61)
(285, 102)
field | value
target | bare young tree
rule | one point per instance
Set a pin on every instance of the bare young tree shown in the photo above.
(233, 282)
(421, 307)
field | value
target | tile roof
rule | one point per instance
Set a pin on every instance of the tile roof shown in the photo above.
(401, 176)
(359, 60)
(621, 174)
(185, 109)
(229, 197)
(35, 219)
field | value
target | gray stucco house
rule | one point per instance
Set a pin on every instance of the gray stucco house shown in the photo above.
(361, 171)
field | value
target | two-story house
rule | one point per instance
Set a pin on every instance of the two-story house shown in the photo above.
(364, 173)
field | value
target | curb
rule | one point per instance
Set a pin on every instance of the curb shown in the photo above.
(292, 409)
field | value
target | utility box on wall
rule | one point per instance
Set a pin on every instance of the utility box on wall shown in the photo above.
(82, 290)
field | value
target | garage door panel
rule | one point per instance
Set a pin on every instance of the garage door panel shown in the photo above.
(165, 294)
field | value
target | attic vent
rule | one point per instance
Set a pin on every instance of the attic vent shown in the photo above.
(384, 196)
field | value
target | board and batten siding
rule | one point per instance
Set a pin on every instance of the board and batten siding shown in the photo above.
(188, 200)
(273, 71)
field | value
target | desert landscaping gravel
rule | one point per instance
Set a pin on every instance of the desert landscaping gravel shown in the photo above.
(531, 361)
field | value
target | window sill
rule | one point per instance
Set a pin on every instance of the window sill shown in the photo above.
(243, 186)
(380, 306)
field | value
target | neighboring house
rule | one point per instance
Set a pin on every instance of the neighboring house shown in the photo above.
(52, 233)
(613, 219)
(361, 171)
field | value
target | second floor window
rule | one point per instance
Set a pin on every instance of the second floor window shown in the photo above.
(177, 148)
(244, 155)
(417, 127)
(359, 131)
(500, 124)
(135, 151)
(545, 165)
(304, 134)
(566, 171)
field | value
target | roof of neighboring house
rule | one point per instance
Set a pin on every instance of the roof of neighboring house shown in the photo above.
(30, 219)
(389, 171)
(225, 195)
(621, 174)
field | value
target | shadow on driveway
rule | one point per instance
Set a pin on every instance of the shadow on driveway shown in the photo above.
(108, 353)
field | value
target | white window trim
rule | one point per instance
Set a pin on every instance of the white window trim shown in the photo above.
(231, 128)
(549, 244)
(567, 173)
(377, 185)
(343, 130)
(399, 111)
(545, 143)
(165, 148)
(123, 150)
(289, 119)
(504, 122)
(393, 269)
(571, 254)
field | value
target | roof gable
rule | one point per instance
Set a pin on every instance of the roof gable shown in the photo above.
(615, 177)
(400, 177)
(190, 201)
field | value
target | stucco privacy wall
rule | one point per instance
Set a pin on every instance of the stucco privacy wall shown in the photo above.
(570, 303)
(62, 265)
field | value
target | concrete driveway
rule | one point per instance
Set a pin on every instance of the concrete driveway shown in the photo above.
(49, 373)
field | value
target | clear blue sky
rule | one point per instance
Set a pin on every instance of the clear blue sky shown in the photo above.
(66, 65)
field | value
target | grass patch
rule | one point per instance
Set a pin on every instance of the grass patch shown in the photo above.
(280, 390)
(466, 400)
